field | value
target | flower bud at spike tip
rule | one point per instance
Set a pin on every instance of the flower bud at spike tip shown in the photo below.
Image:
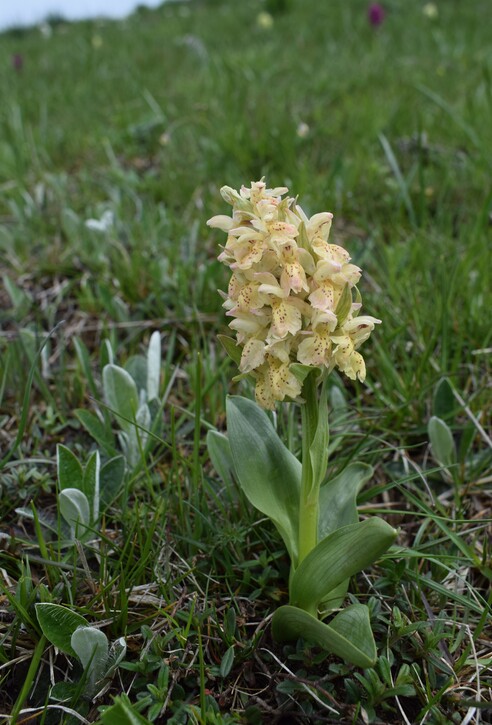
(292, 293)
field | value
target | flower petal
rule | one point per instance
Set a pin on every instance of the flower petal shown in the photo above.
(253, 355)
(320, 224)
(285, 318)
(263, 391)
(221, 221)
(316, 350)
(323, 298)
(293, 278)
(283, 383)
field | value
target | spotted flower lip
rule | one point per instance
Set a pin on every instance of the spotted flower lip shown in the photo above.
(291, 292)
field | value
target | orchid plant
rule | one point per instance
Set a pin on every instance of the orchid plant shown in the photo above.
(295, 308)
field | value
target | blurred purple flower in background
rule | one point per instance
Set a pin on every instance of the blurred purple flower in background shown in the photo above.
(17, 62)
(375, 14)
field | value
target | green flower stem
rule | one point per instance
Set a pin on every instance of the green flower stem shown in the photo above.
(309, 499)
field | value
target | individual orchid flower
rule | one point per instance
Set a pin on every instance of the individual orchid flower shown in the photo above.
(346, 359)
(275, 382)
(253, 355)
(316, 350)
(293, 275)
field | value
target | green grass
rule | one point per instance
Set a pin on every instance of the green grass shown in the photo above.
(147, 118)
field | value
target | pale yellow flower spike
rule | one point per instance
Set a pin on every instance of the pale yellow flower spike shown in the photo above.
(284, 293)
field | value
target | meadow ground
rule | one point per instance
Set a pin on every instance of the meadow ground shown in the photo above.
(136, 125)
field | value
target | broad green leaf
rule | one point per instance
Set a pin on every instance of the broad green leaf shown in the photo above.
(301, 371)
(337, 508)
(143, 420)
(442, 442)
(122, 712)
(91, 483)
(348, 635)
(230, 623)
(226, 662)
(71, 225)
(69, 469)
(20, 299)
(106, 354)
(267, 471)
(154, 366)
(58, 624)
(121, 394)
(111, 479)
(63, 691)
(102, 434)
(340, 555)
(338, 404)
(354, 624)
(136, 365)
(231, 347)
(91, 647)
(338, 498)
(75, 509)
(444, 402)
(220, 454)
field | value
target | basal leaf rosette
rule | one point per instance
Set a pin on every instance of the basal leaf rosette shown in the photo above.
(292, 294)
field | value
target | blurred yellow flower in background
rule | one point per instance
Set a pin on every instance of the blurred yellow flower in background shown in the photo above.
(430, 10)
(264, 20)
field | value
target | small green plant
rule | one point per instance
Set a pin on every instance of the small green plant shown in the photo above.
(296, 319)
(377, 687)
(84, 490)
(122, 712)
(131, 393)
(452, 445)
(84, 493)
(72, 634)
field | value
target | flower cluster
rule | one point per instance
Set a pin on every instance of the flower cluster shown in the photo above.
(290, 293)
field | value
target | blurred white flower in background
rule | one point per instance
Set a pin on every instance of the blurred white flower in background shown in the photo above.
(302, 129)
(104, 224)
